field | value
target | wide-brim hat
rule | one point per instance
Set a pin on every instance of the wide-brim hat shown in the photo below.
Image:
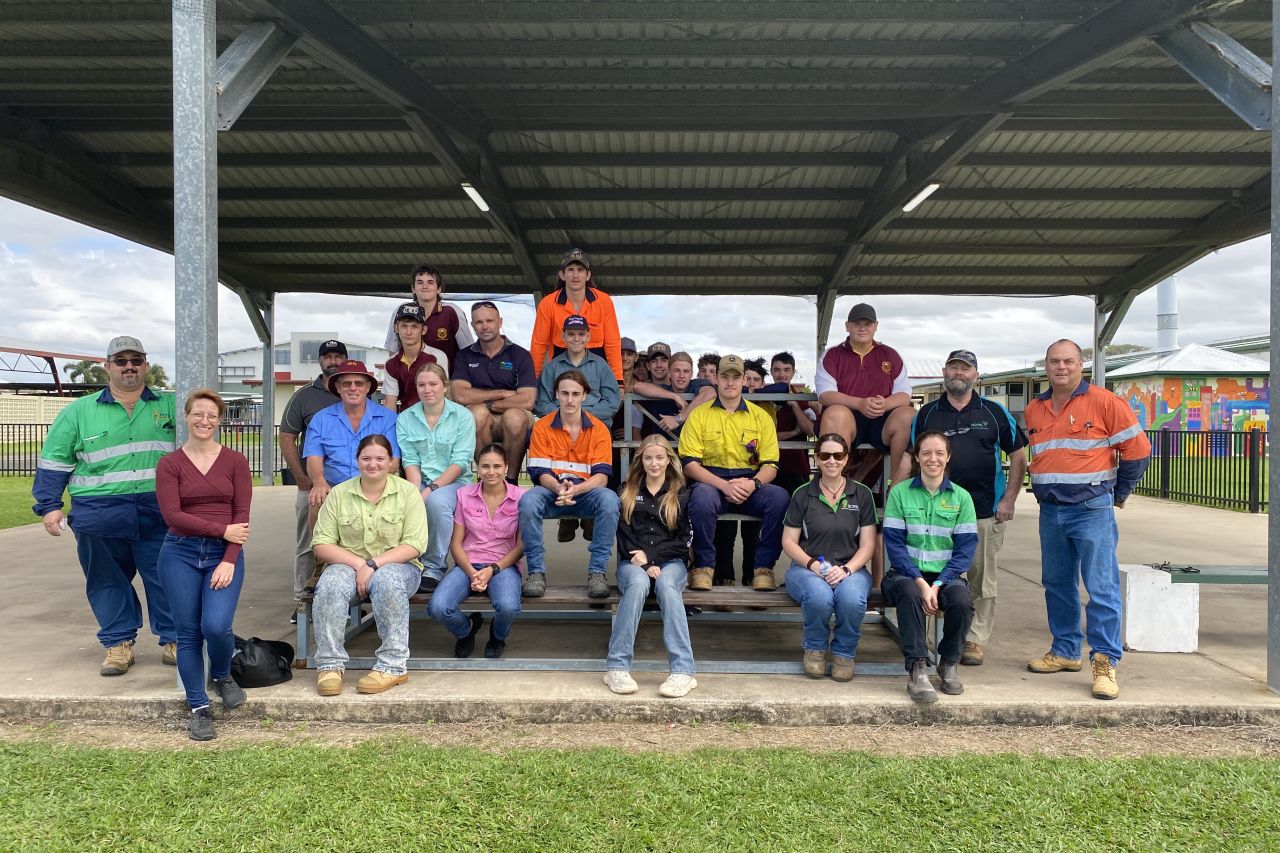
(352, 367)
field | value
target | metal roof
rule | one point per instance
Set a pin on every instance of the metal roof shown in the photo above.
(1194, 359)
(744, 147)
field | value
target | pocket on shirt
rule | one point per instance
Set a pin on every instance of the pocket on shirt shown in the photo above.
(391, 518)
(351, 526)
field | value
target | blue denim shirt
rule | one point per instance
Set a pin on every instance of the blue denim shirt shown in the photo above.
(329, 436)
(452, 442)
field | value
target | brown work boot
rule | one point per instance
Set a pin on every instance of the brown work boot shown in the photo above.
(119, 659)
(700, 578)
(329, 682)
(725, 608)
(169, 655)
(1050, 662)
(764, 581)
(842, 668)
(379, 681)
(1104, 678)
(972, 655)
(949, 678)
(815, 664)
(919, 688)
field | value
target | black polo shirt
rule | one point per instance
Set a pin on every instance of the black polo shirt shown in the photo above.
(510, 370)
(303, 405)
(979, 433)
(826, 530)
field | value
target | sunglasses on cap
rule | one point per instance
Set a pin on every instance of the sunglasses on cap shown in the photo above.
(136, 361)
(825, 455)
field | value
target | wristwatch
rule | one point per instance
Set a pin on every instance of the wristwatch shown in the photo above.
(759, 485)
(371, 564)
(432, 486)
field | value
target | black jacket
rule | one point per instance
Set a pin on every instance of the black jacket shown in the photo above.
(649, 533)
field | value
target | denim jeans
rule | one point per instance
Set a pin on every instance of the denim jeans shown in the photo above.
(818, 600)
(389, 592)
(634, 582)
(539, 503)
(109, 566)
(955, 603)
(1078, 543)
(504, 593)
(769, 503)
(201, 615)
(440, 506)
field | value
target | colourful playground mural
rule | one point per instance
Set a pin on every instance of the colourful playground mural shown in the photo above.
(1198, 404)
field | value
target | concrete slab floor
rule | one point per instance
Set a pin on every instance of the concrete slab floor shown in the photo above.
(50, 669)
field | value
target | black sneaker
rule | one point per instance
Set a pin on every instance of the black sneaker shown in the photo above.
(597, 587)
(566, 530)
(494, 648)
(464, 647)
(200, 726)
(535, 586)
(428, 584)
(232, 694)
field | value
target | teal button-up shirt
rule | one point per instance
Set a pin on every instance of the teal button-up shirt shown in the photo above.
(451, 442)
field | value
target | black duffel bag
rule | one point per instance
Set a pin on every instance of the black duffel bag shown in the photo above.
(261, 663)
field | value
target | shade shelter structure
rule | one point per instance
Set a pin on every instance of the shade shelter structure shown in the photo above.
(692, 146)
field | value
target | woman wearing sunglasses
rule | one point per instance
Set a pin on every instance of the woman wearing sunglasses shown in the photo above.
(829, 532)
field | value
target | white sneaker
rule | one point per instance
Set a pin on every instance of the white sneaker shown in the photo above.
(677, 685)
(620, 681)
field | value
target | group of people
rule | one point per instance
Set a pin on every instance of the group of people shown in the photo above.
(395, 498)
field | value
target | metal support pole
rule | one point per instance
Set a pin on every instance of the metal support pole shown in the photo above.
(268, 416)
(1273, 471)
(1099, 375)
(195, 196)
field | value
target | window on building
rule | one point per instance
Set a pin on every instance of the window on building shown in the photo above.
(1016, 389)
(358, 355)
(235, 370)
(283, 356)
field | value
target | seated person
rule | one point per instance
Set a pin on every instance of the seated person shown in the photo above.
(671, 408)
(486, 551)
(437, 438)
(932, 518)
(726, 531)
(398, 392)
(369, 534)
(796, 421)
(336, 432)
(830, 534)
(569, 463)
(653, 547)
(730, 452)
(494, 379)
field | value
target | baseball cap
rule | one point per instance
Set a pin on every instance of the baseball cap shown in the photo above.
(658, 348)
(629, 345)
(862, 311)
(963, 355)
(333, 346)
(125, 343)
(575, 256)
(411, 311)
(731, 364)
(576, 321)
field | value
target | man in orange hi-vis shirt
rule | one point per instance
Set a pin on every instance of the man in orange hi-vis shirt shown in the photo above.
(576, 295)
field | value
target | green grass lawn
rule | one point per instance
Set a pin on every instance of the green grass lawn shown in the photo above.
(397, 794)
(15, 502)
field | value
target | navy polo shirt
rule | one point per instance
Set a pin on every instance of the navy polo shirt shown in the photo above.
(979, 433)
(510, 370)
(658, 408)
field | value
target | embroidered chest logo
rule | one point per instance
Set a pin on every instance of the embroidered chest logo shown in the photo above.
(886, 367)
(506, 365)
(442, 334)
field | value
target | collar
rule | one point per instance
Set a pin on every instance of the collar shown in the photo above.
(322, 382)
(147, 394)
(975, 402)
(849, 346)
(478, 348)
(1082, 388)
(917, 482)
(742, 403)
(586, 420)
(562, 295)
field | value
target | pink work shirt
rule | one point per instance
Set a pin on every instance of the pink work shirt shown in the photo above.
(485, 539)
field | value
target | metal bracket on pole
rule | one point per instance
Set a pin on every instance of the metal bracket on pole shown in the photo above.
(1230, 72)
(254, 309)
(1113, 315)
(246, 65)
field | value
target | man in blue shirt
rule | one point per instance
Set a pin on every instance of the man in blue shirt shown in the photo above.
(336, 431)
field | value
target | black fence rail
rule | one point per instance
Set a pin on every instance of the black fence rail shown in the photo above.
(1221, 468)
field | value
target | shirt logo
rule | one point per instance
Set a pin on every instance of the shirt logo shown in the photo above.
(473, 364)
(507, 365)
(442, 334)
(886, 367)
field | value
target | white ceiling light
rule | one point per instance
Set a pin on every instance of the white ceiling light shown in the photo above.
(917, 199)
(475, 196)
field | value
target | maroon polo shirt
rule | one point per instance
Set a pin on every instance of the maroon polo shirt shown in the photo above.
(871, 375)
(405, 374)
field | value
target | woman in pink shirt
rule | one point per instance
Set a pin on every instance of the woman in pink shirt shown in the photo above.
(486, 549)
(204, 490)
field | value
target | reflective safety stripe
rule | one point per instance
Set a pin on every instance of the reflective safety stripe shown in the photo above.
(124, 450)
(1126, 434)
(918, 554)
(895, 523)
(966, 528)
(50, 465)
(1073, 444)
(930, 530)
(1086, 477)
(113, 477)
(560, 465)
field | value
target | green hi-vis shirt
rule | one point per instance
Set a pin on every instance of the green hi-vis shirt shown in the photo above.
(927, 534)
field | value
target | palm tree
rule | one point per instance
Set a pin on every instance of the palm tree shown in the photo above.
(156, 377)
(88, 372)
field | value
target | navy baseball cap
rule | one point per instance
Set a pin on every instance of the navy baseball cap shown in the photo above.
(333, 346)
(411, 311)
(963, 355)
(576, 321)
(629, 345)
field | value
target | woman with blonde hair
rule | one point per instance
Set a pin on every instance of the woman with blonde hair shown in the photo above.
(654, 535)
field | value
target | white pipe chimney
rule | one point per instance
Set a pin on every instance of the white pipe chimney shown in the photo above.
(1167, 315)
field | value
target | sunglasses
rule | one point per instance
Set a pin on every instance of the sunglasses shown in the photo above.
(826, 455)
(137, 361)
(485, 303)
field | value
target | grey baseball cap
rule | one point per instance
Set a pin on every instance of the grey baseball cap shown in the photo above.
(125, 343)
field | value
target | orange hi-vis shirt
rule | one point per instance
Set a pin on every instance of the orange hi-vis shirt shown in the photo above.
(553, 451)
(1092, 447)
(548, 328)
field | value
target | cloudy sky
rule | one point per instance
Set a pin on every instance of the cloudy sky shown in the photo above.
(63, 283)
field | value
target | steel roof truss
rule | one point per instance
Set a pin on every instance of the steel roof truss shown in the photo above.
(1225, 67)
(246, 65)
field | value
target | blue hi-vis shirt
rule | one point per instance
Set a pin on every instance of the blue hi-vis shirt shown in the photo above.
(329, 436)
(926, 534)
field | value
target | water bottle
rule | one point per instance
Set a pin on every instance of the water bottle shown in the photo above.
(823, 565)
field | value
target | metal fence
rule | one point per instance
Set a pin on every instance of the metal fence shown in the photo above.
(1221, 468)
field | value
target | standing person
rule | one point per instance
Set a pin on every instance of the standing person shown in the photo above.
(1088, 451)
(204, 491)
(445, 327)
(104, 448)
(336, 432)
(930, 534)
(486, 550)
(653, 545)
(398, 392)
(495, 380)
(730, 451)
(980, 431)
(437, 438)
(569, 463)
(369, 534)
(830, 534)
(302, 407)
(577, 294)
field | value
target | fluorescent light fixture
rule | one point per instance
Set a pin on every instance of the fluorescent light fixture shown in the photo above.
(916, 200)
(475, 196)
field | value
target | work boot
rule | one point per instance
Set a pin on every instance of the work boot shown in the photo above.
(464, 646)
(495, 647)
(169, 654)
(949, 678)
(329, 682)
(700, 578)
(918, 686)
(973, 655)
(1104, 677)
(535, 585)
(842, 668)
(119, 659)
(428, 584)
(1050, 662)
(567, 529)
(200, 725)
(379, 681)
(232, 694)
(815, 663)
(597, 586)
(763, 580)
(588, 528)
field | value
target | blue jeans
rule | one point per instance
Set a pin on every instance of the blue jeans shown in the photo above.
(539, 503)
(634, 582)
(504, 593)
(389, 592)
(201, 615)
(818, 601)
(440, 506)
(1078, 543)
(110, 566)
(768, 503)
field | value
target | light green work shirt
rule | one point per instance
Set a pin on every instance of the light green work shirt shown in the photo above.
(348, 520)
(451, 442)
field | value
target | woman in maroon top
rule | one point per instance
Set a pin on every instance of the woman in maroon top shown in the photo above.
(204, 491)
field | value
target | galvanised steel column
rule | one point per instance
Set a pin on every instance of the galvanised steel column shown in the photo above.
(268, 417)
(195, 196)
(1273, 475)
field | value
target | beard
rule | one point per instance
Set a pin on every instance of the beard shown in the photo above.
(957, 387)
